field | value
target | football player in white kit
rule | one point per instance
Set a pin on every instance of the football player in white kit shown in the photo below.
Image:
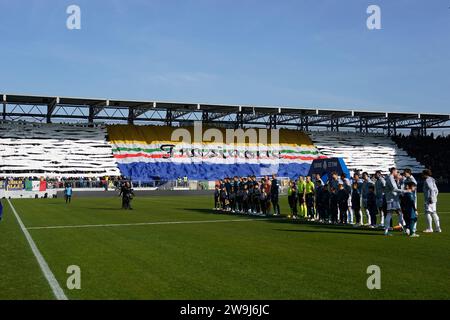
(431, 192)
(392, 193)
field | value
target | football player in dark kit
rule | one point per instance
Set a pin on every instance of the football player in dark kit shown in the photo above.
(274, 193)
(127, 195)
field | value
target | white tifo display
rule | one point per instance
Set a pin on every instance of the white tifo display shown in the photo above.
(55, 150)
(364, 152)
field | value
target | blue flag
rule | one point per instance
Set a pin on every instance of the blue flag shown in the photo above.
(1, 210)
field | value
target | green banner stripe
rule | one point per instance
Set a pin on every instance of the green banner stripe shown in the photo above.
(122, 149)
(136, 150)
(300, 152)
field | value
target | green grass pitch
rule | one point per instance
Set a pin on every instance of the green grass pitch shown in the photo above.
(265, 259)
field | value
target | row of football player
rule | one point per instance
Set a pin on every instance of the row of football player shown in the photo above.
(341, 200)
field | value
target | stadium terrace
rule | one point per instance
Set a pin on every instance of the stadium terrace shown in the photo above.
(76, 138)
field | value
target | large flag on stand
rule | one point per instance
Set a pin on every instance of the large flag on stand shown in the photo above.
(36, 185)
(28, 185)
(43, 186)
(149, 153)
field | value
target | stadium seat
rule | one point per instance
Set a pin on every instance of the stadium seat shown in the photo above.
(365, 152)
(54, 150)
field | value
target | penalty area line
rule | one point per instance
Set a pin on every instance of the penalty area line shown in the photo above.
(48, 274)
(149, 223)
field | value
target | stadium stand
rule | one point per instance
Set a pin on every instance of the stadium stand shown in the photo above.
(432, 151)
(364, 152)
(140, 155)
(55, 150)
(147, 153)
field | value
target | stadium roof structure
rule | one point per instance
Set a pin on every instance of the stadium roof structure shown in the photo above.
(90, 111)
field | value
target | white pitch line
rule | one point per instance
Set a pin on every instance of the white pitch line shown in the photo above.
(56, 288)
(145, 224)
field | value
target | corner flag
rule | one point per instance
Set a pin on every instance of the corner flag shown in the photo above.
(1, 210)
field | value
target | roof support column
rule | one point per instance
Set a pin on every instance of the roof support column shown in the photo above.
(240, 119)
(306, 123)
(4, 107)
(205, 116)
(423, 131)
(91, 114)
(273, 121)
(392, 127)
(131, 115)
(50, 108)
(169, 117)
(334, 124)
(363, 125)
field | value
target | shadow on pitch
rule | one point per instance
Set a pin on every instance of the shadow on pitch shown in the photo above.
(243, 216)
(324, 228)
(333, 231)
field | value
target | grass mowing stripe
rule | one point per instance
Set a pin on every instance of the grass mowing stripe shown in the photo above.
(147, 223)
(48, 274)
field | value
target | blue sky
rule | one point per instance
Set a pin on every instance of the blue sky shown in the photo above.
(312, 53)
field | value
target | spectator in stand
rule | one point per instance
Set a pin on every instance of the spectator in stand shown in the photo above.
(429, 151)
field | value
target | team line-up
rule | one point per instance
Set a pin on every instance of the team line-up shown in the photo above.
(341, 200)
